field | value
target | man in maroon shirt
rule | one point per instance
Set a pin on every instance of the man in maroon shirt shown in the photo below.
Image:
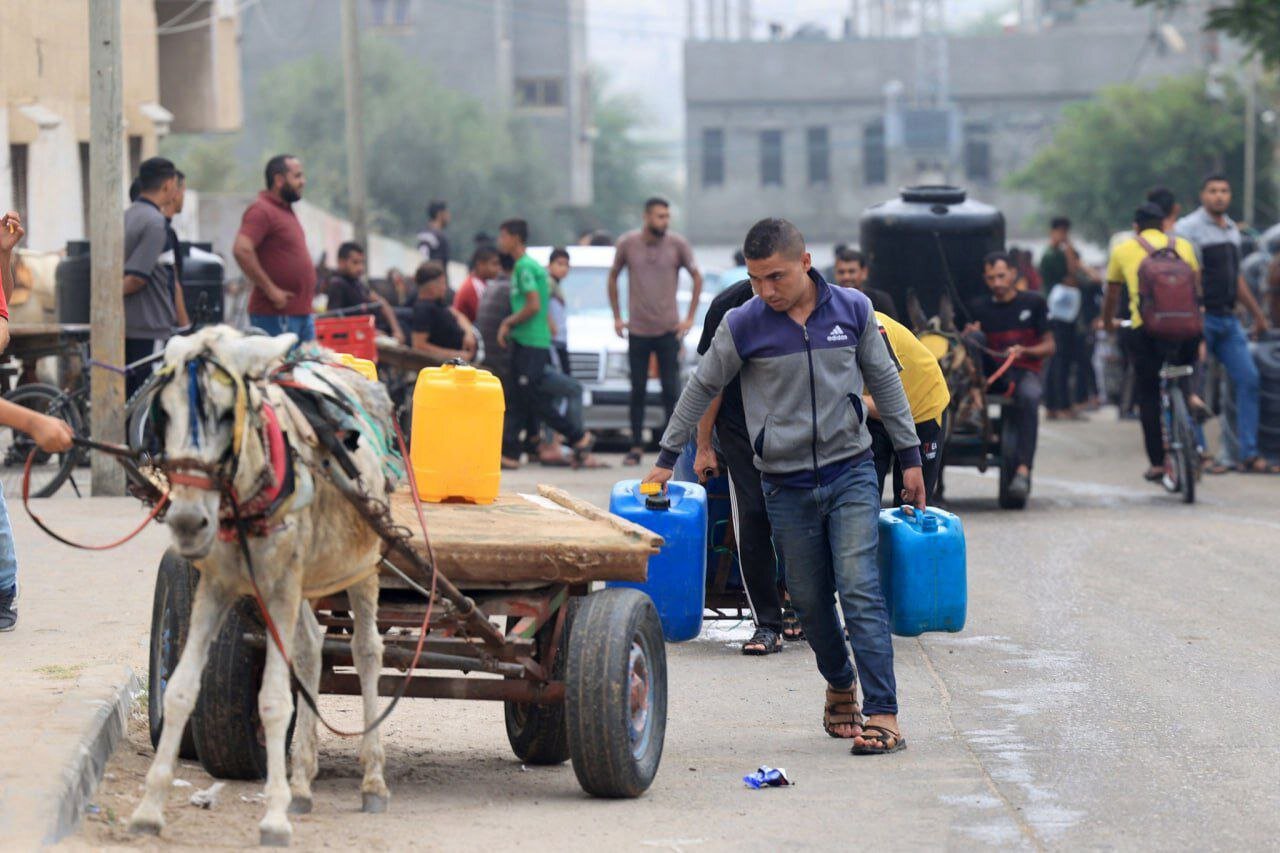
(271, 250)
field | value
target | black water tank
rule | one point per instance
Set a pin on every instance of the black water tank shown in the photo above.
(71, 279)
(202, 276)
(930, 241)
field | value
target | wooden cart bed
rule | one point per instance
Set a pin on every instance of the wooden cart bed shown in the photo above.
(523, 539)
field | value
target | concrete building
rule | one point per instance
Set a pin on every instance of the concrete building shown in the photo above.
(181, 76)
(816, 129)
(525, 56)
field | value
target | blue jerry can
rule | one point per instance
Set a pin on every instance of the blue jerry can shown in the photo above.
(922, 571)
(677, 574)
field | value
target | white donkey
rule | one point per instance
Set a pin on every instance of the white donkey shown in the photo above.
(223, 423)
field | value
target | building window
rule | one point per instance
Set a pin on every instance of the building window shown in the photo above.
(18, 188)
(818, 142)
(389, 13)
(977, 152)
(771, 158)
(875, 159)
(539, 92)
(712, 157)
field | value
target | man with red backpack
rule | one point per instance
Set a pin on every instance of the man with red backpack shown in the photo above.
(1161, 278)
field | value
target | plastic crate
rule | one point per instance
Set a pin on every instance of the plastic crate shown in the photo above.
(352, 335)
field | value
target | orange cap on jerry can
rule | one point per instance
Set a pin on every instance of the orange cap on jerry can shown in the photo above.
(650, 488)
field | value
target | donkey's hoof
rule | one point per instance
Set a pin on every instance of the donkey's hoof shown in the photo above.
(145, 826)
(373, 803)
(300, 805)
(274, 836)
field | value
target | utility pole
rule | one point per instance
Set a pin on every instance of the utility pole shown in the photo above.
(354, 100)
(106, 238)
(1250, 141)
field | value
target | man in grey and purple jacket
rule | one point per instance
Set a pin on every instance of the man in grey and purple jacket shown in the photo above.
(803, 350)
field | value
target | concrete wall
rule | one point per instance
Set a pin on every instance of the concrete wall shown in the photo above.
(1016, 84)
(44, 101)
(201, 80)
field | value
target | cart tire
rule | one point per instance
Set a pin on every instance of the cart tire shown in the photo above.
(170, 619)
(1008, 465)
(616, 693)
(538, 733)
(225, 725)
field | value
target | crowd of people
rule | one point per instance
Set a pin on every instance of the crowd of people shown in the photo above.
(1082, 305)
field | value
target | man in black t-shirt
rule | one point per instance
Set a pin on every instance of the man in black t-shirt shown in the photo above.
(750, 520)
(348, 289)
(1011, 329)
(437, 329)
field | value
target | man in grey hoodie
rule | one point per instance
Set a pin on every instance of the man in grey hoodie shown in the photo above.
(803, 349)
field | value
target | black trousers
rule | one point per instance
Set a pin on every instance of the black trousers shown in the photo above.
(1148, 355)
(1027, 389)
(527, 402)
(756, 556)
(1067, 344)
(930, 434)
(1086, 379)
(641, 349)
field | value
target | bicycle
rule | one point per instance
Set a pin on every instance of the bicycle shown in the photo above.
(49, 472)
(1181, 448)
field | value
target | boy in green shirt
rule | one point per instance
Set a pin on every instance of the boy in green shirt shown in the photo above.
(528, 335)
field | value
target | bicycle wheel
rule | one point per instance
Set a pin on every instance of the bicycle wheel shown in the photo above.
(48, 471)
(1186, 458)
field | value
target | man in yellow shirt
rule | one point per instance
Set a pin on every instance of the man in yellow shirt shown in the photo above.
(1146, 353)
(928, 397)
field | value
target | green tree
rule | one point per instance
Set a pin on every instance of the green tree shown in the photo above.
(209, 161)
(617, 173)
(1254, 23)
(1108, 151)
(422, 141)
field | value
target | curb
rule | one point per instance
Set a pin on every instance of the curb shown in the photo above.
(83, 772)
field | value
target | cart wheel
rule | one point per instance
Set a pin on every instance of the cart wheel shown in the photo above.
(537, 732)
(225, 724)
(616, 693)
(1008, 465)
(170, 619)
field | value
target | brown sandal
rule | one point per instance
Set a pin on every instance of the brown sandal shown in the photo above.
(884, 740)
(842, 709)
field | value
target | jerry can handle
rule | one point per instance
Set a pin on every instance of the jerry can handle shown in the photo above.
(923, 519)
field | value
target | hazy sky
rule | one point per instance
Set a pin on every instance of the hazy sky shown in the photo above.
(639, 46)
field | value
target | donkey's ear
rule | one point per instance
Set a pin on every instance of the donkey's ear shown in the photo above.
(256, 353)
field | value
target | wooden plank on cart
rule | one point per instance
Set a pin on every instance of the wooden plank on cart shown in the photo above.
(549, 537)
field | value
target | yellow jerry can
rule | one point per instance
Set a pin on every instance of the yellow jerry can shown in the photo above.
(456, 447)
(363, 366)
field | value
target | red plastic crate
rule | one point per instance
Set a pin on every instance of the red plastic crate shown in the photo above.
(352, 335)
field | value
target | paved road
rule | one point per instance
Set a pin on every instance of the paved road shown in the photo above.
(1116, 687)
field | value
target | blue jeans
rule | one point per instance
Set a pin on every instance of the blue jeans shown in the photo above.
(828, 538)
(302, 325)
(8, 558)
(1225, 339)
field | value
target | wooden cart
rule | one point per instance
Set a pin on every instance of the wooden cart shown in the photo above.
(582, 674)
